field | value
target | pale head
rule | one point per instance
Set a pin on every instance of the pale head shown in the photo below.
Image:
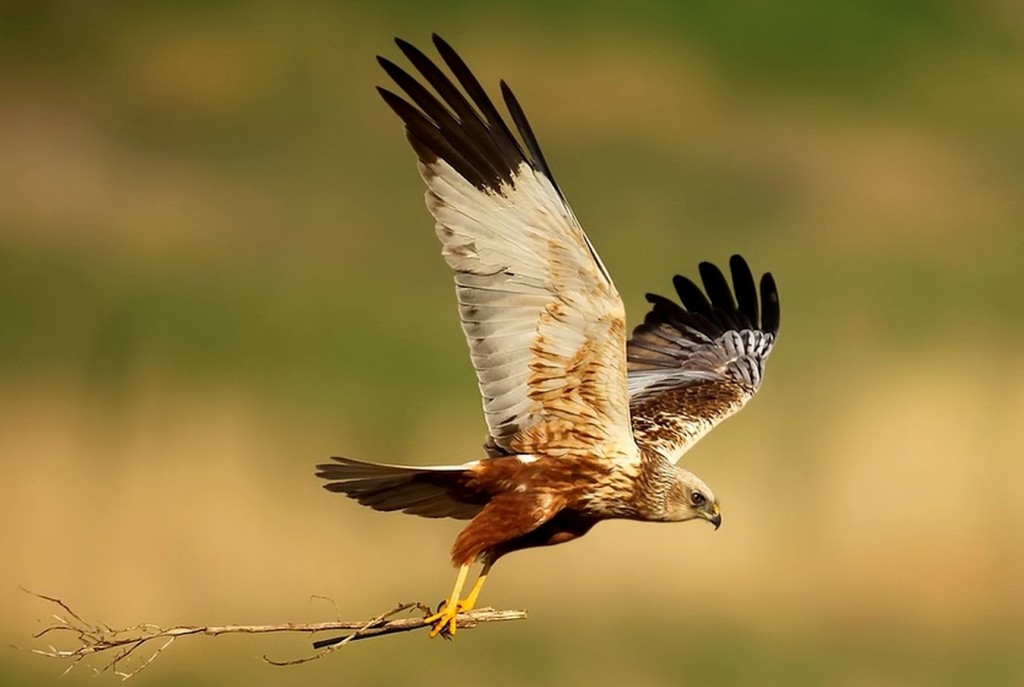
(689, 498)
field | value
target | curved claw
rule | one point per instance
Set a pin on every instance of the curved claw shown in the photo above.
(444, 620)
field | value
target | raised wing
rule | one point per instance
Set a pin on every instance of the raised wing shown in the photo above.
(545, 325)
(690, 367)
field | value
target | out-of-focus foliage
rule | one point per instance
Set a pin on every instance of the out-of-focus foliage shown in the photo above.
(216, 269)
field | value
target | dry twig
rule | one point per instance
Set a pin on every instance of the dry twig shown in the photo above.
(118, 645)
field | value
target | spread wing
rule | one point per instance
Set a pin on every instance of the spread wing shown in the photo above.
(544, 323)
(694, 365)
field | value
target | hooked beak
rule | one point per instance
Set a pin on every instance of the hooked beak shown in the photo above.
(715, 517)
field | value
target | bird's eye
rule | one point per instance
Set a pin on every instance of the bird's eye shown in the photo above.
(697, 499)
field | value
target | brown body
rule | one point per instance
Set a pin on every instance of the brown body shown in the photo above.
(539, 503)
(518, 502)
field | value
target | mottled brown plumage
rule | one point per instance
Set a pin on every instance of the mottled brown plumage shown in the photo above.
(583, 425)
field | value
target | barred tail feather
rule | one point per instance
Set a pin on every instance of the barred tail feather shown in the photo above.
(431, 492)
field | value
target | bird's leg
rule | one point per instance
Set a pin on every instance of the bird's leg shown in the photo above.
(446, 615)
(470, 601)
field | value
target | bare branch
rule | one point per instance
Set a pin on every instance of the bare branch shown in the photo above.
(121, 644)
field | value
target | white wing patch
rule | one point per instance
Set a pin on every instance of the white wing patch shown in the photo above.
(545, 326)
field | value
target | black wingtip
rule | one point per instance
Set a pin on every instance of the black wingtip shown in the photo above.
(724, 306)
(440, 43)
(745, 289)
(393, 100)
(389, 67)
(410, 50)
(526, 132)
(738, 264)
(770, 311)
(469, 134)
(717, 287)
(692, 297)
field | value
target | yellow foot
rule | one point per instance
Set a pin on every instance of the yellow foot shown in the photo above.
(444, 620)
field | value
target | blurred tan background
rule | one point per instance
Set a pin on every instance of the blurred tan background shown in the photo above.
(216, 270)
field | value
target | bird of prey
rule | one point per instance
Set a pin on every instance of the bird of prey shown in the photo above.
(583, 424)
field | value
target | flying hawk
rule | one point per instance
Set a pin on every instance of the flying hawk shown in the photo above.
(583, 424)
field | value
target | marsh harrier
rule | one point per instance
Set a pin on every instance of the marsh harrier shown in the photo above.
(584, 424)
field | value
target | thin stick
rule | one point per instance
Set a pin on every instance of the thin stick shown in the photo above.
(125, 642)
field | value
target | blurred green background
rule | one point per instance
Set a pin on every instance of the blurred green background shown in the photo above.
(216, 270)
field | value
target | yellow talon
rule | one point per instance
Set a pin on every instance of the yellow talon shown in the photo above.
(444, 620)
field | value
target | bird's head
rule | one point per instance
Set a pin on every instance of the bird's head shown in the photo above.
(689, 498)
